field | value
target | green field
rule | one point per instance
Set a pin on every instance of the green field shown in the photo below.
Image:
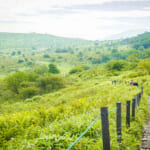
(49, 96)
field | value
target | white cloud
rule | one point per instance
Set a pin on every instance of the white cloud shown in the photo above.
(28, 16)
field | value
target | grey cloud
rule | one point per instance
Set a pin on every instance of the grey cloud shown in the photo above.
(107, 6)
(114, 6)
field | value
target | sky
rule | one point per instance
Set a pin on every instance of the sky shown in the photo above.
(87, 19)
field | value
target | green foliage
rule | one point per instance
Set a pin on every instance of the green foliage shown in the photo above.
(134, 58)
(145, 64)
(35, 41)
(50, 82)
(13, 53)
(53, 69)
(36, 112)
(57, 126)
(2, 66)
(19, 52)
(46, 56)
(29, 63)
(116, 65)
(26, 85)
(42, 69)
(20, 61)
(78, 68)
(28, 92)
(13, 81)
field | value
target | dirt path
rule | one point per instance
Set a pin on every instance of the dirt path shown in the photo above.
(146, 132)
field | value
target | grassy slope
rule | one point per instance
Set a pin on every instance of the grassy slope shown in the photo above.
(30, 40)
(55, 120)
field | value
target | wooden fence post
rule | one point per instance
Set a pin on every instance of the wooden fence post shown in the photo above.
(118, 116)
(133, 108)
(136, 103)
(128, 114)
(105, 128)
(142, 91)
(138, 99)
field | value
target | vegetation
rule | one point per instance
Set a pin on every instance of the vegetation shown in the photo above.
(53, 69)
(47, 102)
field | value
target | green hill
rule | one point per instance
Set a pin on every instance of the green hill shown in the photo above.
(35, 40)
(45, 109)
(140, 41)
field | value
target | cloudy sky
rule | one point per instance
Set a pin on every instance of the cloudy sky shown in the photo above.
(88, 19)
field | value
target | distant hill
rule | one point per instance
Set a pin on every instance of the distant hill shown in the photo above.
(126, 34)
(34, 40)
(140, 41)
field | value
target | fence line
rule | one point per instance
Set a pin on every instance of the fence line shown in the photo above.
(105, 121)
(84, 132)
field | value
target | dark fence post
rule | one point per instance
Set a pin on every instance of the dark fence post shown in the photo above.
(136, 103)
(140, 95)
(118, 115)
(105, 128)
(128, 114)
(138, 99)
(142, 91)
(133, 108)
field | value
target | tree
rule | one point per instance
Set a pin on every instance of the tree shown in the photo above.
(20, 61)
(134, 58)
(28, 92)
(13, 53)
(78, 68)
(13, 81)
(19, 52)
(145, 65)
(53, 69)
(46, 56)
(42, 69)
(50, 82)
(116, 65)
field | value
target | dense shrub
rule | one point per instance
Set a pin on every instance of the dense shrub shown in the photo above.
(117, 65)
(50, 82)
(145, 65)
(20, 61)
(13, 81)
(42, 69)
(78, 68)
(53, 69)
(46, 56)
(28, 92)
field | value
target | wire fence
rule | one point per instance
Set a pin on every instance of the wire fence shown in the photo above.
(105, 122)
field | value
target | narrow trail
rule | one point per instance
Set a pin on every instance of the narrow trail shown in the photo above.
(146, 132)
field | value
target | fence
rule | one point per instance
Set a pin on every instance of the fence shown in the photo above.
(105, 121)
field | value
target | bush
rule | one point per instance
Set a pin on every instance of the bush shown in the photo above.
(46, 56)
(78, 68)
(133, 75)
(13, 81)
(2, 66)
(20, 61)
(29, 63)
(28, 92)
(145, 65)
(116, 65)
(41, 69)
(53, 69)
(50, 82)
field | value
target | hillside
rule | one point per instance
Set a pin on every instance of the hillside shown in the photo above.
(140, 41)
(35, 41)
(50, 96)
(24, 52)
(56, 119)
